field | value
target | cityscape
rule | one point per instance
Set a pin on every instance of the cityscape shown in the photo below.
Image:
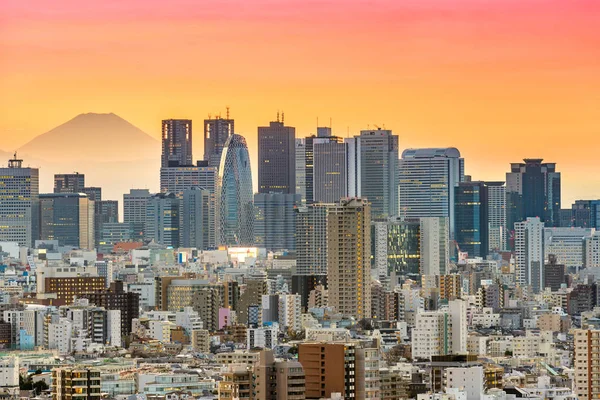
(236, 256)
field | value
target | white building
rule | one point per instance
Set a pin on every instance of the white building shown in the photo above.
(592, 251)
(160, 330)
(434, 241)
(265, 337)
(147, 292)
(189, 320)
(60, 332)
(9, 372)
(470, 380)
(567, 244)
(290, 312)
(529, 249)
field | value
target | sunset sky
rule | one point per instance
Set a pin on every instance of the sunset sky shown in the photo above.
(499, 79)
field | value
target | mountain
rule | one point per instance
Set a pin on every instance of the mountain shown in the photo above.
(111, 152)
(99, 137)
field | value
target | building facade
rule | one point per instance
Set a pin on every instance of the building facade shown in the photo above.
(276, 158)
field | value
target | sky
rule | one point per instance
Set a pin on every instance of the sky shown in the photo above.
(498, 79)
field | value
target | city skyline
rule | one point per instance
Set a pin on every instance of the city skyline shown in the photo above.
(449, 74)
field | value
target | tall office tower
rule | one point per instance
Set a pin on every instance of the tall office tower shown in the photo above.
(276, 158)
(236, 213)
(348, 260)
(396, 247)
(586, 359)
(311, 239)
(533, 190)
(105, 212)
(275, 220)
(177, 179)
(19, 194)
(69, 183)
(555, 274)
(427, 178)
(176, 142)
(586, 214)
(497, 239)
(529, 251)
(471, 223)
(198, 219)
(76, 380)
(162, 219)
(301, 168)
(216, 133)
(434, 241)
(115, 298)
(330, 181)
(134, 210)
(93, 193)
(68, 218)
(373, 170)
(567, 245)
(442, 332)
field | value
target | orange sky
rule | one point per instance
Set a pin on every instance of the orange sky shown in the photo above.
(500, 80)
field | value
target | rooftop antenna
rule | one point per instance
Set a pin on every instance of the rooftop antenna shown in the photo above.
(227, 112)
(282, 116)
(277, 115)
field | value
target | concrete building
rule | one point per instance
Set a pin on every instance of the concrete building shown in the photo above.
(434, 241)
(348, 263)
(69, 183)
(68, 218)
(529, 252)
(176, 142)
(266, 337)
(497, 229)
(76, 380)
(207, 301)
(19, 191)
(311, 239)
(555, 274)
(567, 244)
(592, 251)
(373, 170)
(427, 178)
(586, 358)
(275, 220)
(60, 285)
(470, 380)
(276, 158)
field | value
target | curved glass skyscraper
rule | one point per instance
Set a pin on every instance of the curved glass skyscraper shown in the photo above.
(236, 208)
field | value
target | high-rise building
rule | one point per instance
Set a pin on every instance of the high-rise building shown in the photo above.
(198, 223)
(70, 381)
(276, 158)
(216, 132)
(105, 211)
(586, 359)
(348, 257)
(555, 274)
(162, 219)
(93, 193)
(311, 239)
(301, 168)
(134, 210)
(176, 142)
(373, 170)
(68, 218)
(330, 169)
(177, 179)
(471, 223)
(529, 252)
(69, 183)
(236, 208)
(592, 250)
(567, 245)
(586, 214)
(434, 241)
(427, 178)
(275, 220)
(19, 198)
(396, 247)
(533, 190)
(497, 230)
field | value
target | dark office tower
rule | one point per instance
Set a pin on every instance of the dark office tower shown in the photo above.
(236, 208)
(330, 170)
(93, 193)
(69, 183)
(471, 229)
(68, 218)
(586, 214)
(274, 223)
(216, 133)
(373, 170)
(162, 219)
(115, 298)
(134, 210)
(105, 211)
(19, 198)
(197, 219)
(304, 168)
(565, 218)
(176, 142)
(554, 274)
(533, 190)
(276, 158)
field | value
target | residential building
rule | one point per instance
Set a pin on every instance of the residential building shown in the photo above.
(529, 253)
(585, 362)
(434, 241)
(67, 381)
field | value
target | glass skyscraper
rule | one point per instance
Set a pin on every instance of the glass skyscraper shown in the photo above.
(235, 194)
(276, 158)
(471, 228)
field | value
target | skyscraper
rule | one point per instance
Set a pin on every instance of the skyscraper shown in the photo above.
(533, 190)
(330, 181)
(497, 232)
(274, 224)
(301, 168)
(216, 133)
(198, 219)
(177, 179)
(105, 211)
(311, 239)
(162, 219)
(397, 247)
(427, 178)
(471, 224)
(19, 197)
(134, 210)
(176, 142)
(373, 170)
(529, 252)
(236, 211)
(69, 183)
(276, 158)
(348, 257)
(434, 241)
(68, 218)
